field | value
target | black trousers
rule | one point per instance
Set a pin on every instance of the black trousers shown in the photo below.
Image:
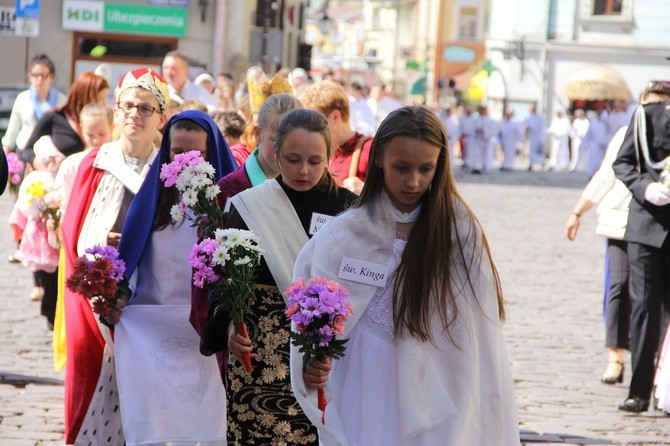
(650, 299)
(617, 319)
(49, 282)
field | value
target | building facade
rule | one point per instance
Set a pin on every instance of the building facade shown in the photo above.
(541, 48)
(216, 35)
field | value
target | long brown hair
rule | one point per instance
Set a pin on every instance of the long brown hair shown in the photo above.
(84, 90)
(435, 249)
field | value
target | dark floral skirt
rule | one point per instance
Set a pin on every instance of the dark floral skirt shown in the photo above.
(261, 407)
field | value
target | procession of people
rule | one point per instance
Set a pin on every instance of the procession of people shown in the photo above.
(337, 181)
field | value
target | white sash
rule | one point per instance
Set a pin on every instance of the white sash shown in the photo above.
(169, 392)
(110, 159)
(106, 202)
(268, 212)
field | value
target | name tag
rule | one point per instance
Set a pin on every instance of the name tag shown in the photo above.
(361, 271)
(318, 220)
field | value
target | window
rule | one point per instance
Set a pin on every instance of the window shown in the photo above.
(124, 47)
(610, 15)
(607, 7)
(120, 52)
(467, 24)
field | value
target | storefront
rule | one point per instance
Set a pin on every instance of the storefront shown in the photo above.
(123, 36)
(80, 35)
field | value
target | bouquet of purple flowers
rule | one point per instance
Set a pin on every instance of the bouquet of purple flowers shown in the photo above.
(96, 275)
(318, 308)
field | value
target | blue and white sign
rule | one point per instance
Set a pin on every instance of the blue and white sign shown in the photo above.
(27, 18)
(29, 9)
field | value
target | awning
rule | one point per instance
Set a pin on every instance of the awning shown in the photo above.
(597, 83)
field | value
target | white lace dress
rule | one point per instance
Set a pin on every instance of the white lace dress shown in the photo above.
(363, 383)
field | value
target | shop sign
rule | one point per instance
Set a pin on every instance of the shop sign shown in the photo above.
(124, 18)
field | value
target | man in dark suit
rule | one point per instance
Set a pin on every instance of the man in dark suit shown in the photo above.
(641, 160)
(3, 171)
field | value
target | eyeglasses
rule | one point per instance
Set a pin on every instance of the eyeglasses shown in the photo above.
(40, 75)
(144, 110)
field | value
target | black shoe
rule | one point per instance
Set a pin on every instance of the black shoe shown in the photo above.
(634, 404)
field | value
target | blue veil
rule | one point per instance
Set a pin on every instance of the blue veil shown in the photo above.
(138, 225)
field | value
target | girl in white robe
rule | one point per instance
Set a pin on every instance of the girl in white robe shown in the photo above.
(425, 362)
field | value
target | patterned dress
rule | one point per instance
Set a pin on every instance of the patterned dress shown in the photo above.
(261, 407)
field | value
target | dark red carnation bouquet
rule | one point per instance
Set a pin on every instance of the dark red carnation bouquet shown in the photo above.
(96, 276)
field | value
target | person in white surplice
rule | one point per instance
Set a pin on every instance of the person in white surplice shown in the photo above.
(559, 146)
(578, 158)
(425, 361)
(165, 384)
(510, 134)
(536, 132)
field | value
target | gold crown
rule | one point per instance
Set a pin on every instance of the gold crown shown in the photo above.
(263, 88)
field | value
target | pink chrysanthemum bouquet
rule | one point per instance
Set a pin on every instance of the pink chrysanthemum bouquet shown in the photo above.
(318, 308)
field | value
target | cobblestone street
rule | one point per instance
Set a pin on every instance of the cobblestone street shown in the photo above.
(555, 332)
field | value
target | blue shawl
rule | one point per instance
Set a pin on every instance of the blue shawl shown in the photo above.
(38, 106)
(137, 228)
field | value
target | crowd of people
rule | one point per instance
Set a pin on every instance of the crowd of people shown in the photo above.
(291, 158)
(565, 144)
(322, 172)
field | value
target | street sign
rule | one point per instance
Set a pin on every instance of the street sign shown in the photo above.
(28, 9)
(27, 18)
(27, 27)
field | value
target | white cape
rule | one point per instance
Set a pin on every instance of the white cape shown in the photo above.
(267, 210)
(448, 395)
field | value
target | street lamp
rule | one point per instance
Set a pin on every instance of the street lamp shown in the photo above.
(517, 49)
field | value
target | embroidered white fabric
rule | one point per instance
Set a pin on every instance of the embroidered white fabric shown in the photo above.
(378, 317)
(369, 410)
